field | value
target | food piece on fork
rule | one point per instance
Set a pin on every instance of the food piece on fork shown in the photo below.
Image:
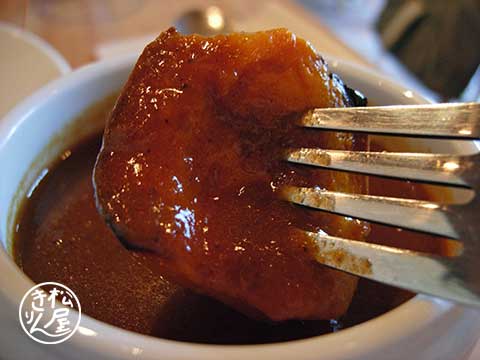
(191, 167)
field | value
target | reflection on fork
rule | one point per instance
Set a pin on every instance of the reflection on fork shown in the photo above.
(454, 278)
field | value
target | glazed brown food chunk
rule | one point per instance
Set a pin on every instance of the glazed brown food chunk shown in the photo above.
(191, 168)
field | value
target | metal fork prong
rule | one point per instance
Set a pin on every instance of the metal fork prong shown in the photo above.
(436, 168)
(438, 120)
(410, 270)
(405, 213)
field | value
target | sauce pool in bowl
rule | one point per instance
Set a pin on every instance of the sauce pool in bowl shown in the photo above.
(61, 237)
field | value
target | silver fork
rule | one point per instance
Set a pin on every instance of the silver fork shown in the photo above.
(455, 278)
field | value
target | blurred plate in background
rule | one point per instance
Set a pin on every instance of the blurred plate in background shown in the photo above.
(26, 63)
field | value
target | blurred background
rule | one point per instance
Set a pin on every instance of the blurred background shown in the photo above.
(429, 45)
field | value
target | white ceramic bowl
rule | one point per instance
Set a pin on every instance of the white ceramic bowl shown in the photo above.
(423, 328)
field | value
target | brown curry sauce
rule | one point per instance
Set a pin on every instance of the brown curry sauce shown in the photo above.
(61, 237)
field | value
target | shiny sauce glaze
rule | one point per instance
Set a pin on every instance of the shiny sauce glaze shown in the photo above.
(191, 169)
(61, 237)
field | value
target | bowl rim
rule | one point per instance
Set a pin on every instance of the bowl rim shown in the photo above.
(98, 337)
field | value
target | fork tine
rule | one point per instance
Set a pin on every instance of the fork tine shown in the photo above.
(410, 270)
(405, 213)
(436, 168)
(439, 120)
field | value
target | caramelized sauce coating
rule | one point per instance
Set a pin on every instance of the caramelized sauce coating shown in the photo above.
(190, 169)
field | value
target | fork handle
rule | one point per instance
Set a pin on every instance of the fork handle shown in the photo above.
(460, 120)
